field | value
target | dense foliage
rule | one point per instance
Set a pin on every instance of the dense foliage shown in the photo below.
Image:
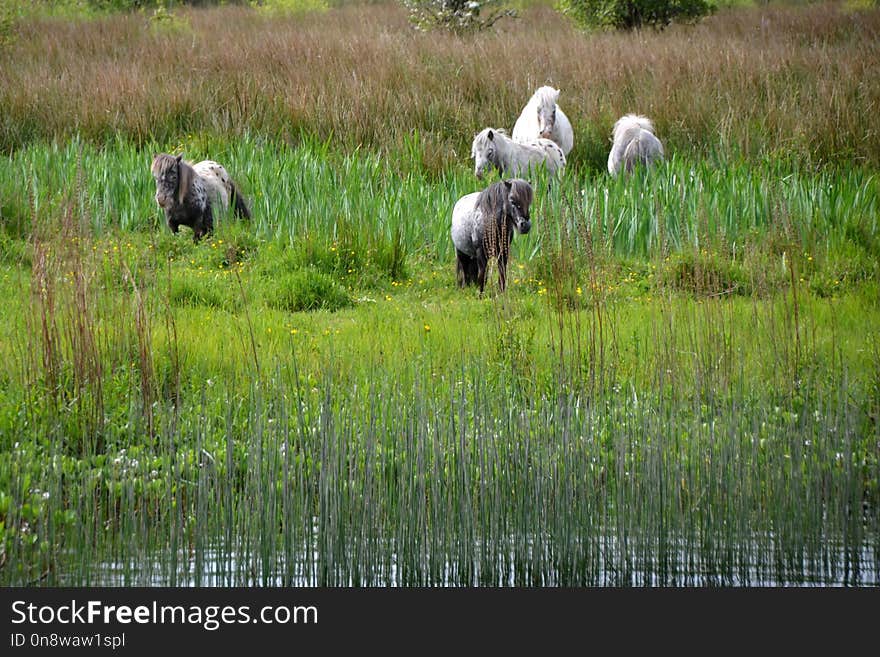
(633, 14)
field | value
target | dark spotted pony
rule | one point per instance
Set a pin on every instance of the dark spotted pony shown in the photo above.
(189, 193)
(483, 224)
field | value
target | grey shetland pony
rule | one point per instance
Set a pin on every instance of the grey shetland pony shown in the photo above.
(634, 143)
(492, 147)
(189, 193)
(483, 224)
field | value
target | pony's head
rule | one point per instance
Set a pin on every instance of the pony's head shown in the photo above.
(546, 98)
(173, 177)
(484, 150)
(508, 200)
(519, 195)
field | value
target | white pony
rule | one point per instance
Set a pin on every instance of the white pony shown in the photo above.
(634, 143)
(542, 117)
(492, 147)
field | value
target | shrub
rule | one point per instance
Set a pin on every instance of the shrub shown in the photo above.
(630, 14)
(192, 288)
(306, 289)
(705, 274)
(457, 15)
(357, 260)
(840, 270)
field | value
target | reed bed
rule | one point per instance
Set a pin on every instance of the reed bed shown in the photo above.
(450, 482)
(782, 81)
(312, 192)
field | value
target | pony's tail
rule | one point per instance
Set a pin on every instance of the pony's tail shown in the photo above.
(635, 153)
(240, 207)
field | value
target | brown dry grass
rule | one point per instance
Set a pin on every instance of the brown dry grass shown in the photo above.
(802, 82)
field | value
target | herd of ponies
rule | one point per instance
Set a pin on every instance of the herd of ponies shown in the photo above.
(483, 222)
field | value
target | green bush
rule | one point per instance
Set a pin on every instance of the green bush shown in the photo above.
(845, 267)
(356, 260)
(633, 14)
(194, 288)
(306, 289)
(705, 274)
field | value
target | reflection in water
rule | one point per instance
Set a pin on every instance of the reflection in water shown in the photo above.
(609, 564)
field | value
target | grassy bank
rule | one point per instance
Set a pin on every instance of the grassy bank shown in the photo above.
(663, 441)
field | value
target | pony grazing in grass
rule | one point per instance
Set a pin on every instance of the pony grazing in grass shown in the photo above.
(492, 147)
(542, 117)
(483, 224)
(634, 143)
(189, 193)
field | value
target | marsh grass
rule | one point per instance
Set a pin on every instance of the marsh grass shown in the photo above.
(448, 482)
(794, 83)
(352, 217)
(622, 436)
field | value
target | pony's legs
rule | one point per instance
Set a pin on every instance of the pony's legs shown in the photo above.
(481, 273)
(208, 220)
(464, 269)
(238, 203)
(204, 226)
(502, 270)
(472, 273)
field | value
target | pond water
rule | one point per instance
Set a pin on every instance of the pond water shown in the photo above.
(751, 565)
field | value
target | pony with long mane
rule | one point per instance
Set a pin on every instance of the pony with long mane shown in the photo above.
(542, 117)
(189, 193)
(634, 143)
(483, 224)
(492, 147)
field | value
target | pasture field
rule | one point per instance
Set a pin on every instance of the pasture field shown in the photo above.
(681, 384)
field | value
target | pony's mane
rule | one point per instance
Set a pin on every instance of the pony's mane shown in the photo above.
(629, 121)
(493, 199)
(546, 97)
(483, 136)
(522, 191)
(185, 173)
(161, 163)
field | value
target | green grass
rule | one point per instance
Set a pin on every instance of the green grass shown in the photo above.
(678, 372)
(440, 476)
(312, 198)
